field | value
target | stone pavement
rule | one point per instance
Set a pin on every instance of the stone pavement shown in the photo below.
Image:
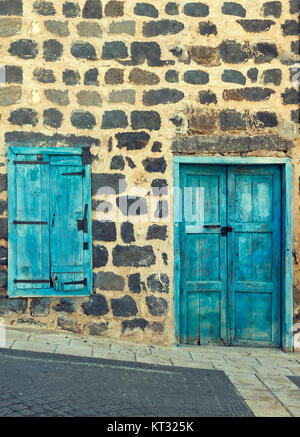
(261, 376)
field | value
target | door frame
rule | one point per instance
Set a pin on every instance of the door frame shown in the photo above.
(287, 234)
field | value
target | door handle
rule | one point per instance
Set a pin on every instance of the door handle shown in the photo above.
(225, 230)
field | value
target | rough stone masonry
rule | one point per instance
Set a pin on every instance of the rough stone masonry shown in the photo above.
(140, 82)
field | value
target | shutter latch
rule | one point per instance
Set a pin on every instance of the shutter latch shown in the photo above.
(82, 225)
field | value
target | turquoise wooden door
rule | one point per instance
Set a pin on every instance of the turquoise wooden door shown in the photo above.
(231, 262)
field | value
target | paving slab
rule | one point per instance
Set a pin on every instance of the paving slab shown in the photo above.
(192, 364)
(246, 379)
(89, 342)
(153, 359)
(294, 370)
(295, 411)
(82, 350)
(258, 394)
(57, 339)
(290, 398)
(16, 335)
(107, 354)
(34, 346)
(279, 382)
(268, 371)
(268, 408)
(278, 362)
(244, 362)
(205, 356)
(233, 368)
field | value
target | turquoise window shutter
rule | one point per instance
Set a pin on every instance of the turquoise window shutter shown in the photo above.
(49, 216)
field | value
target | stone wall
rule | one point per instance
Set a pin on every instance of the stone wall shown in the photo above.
(139, 82)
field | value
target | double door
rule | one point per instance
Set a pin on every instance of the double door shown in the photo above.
(230, 255)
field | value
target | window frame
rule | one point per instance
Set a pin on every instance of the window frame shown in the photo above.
(13, 151)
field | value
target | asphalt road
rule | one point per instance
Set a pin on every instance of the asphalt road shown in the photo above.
(49, 385)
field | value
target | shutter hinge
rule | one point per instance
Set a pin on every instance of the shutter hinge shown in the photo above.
(31, 162)
(19, 222)
(84, 282)
(31, 281)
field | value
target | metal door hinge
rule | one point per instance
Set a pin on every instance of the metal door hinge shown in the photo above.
(77, 173)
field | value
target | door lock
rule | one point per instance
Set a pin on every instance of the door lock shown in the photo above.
(225, 230)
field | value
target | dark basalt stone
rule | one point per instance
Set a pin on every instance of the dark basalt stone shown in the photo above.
(83, 50)
(157, 232)
(109, 281)
(127, 232)
(96, 306)
(11, 7)
(92, 9)
(146, 10)
(162, 97)
(196, 9)
(83, 120)
(132, 205)
(24, 116)
(155, 165)
(134, 283)
(133, 256)
(124, 307)
(104, 231)
(40, 307)
(100, 256)
(157, 306)
(24, 49)
(53, 118)
(162, 27)
(132, 140)
(130, 325)
(108, 183)
(145, 120)
(232, 8)
(256, 26)
(44, 8)
(53, 50)
(158, 283)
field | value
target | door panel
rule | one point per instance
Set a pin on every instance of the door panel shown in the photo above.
(230, 284)
(203, 251)
(254, 211)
